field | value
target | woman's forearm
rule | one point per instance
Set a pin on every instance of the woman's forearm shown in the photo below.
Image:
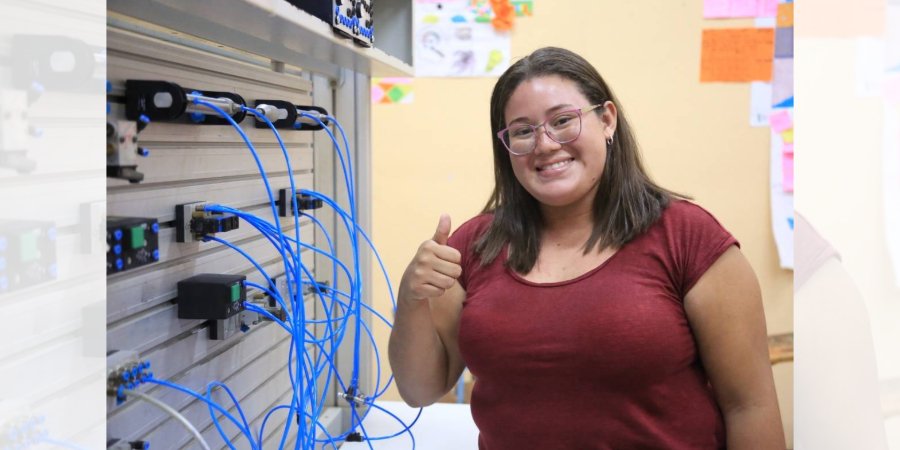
(416, 353)
(755, 427)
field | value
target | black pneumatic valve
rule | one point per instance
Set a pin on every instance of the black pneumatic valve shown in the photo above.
(215, 223)
(306, 202)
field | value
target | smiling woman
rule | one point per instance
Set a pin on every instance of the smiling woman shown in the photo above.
(595, 308)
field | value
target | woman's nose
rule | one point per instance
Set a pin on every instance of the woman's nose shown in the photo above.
(544, 143)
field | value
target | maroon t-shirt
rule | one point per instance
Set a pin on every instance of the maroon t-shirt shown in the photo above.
(603, 361)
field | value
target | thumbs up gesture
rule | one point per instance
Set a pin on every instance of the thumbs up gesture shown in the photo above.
(435, 267)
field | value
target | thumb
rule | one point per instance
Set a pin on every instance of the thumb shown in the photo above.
(443, 230)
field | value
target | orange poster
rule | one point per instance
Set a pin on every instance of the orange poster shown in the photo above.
(737, 54)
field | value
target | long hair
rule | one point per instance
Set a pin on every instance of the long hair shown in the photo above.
(627, 201)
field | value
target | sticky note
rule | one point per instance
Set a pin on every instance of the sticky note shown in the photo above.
(781, 121)
(724, 9)
(737, 54)
(784, 42)
(788, 136)
(788, 149)
(785, 17)
(730, 9)
(767, 8)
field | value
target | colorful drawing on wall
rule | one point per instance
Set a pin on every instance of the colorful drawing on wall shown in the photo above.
(455, 38)
(737, 54)
(524, 8)
(392, 91)
(731, 9)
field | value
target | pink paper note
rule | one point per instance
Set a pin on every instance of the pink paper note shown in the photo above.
(788, 149)
(726, 9)
(767, 8)
(781, 121)
(787, 172)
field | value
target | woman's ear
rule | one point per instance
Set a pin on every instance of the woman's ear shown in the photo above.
(609, 116)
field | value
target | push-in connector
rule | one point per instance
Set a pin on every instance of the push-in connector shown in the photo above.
(353, 397)
(305, 202)
(193, 222)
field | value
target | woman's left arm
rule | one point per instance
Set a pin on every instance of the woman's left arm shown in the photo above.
(725, 312)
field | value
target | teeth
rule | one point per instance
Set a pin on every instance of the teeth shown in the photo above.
(556, 165)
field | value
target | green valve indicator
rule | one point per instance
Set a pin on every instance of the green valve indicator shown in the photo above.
(235, 292)
(28, 246)
(137, 237)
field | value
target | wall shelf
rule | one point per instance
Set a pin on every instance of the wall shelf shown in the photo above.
(271, 28)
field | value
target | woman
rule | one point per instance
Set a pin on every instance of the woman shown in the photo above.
(594, 308)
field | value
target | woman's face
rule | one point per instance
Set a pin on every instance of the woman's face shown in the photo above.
(560, 175)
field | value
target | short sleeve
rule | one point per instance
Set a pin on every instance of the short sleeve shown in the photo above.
(696, 241)
(463, 240)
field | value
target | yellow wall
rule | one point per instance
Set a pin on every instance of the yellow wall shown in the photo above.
(434, 155)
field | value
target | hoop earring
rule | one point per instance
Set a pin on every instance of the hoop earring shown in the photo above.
(609, 141)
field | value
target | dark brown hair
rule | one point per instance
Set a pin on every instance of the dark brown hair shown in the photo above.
(627, 201)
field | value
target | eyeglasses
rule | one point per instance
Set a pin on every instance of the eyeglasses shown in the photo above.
(563, 127)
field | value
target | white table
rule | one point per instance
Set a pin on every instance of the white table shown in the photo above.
(442, 426)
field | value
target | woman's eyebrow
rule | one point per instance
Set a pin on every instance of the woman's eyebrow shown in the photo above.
(549, 111)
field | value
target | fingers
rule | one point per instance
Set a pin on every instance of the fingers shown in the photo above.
(435, 267)
(442, 252)
(442, 233)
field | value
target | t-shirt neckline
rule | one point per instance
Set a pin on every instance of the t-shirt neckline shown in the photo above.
(583, 276)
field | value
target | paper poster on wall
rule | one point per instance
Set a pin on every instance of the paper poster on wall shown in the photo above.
(870, 66)
(783, 82)
(523, 8)
(782, 163)
(781, 178)
(455, 38)
(732, 9)
(737, 54)
(785, 16)
(392, 91)
(760, 103)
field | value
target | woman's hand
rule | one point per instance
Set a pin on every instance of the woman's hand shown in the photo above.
(435, 267)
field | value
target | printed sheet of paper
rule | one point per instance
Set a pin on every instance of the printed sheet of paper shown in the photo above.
(760, 103)
(455, 38)
(870, 66)
(737, 54)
